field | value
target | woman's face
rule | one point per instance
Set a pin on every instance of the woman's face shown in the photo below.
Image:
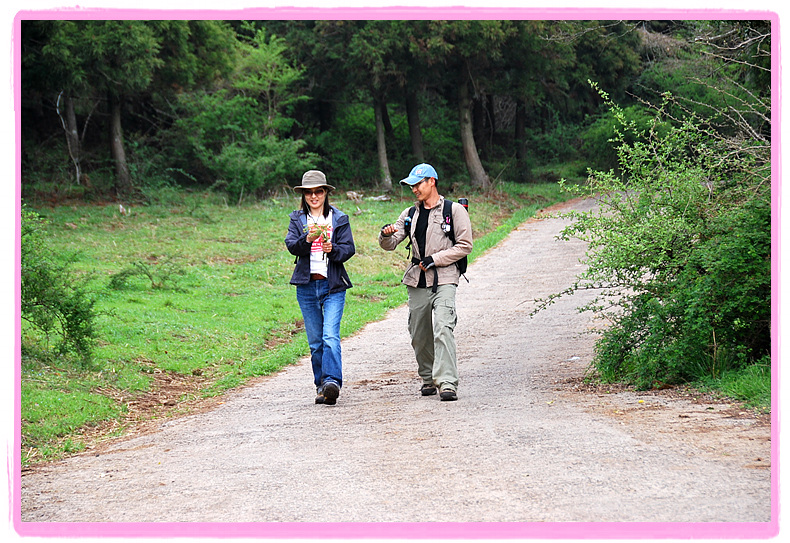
(315, 199)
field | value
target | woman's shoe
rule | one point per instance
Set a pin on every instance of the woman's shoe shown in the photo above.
(331, 391)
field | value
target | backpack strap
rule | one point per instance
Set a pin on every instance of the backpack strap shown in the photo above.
(407, 228)
(447, 212)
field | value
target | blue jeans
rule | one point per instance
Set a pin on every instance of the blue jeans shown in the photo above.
(322, 313)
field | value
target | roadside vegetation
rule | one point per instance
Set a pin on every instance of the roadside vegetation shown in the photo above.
(157, 159)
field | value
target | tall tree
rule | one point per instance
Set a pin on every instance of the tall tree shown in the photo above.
(533, 69)
(265, 76)
(467, 51)
(107, 59)
(238, 135)
(374, 51)
(122, 57)
(112, 64)
(52, 74)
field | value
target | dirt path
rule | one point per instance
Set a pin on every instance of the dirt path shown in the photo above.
(526, 441)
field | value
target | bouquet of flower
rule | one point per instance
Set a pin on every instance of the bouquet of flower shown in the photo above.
(323, 233)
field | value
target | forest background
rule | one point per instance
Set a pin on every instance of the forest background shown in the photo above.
(157, 159)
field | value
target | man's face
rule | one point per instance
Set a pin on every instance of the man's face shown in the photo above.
(423, 189)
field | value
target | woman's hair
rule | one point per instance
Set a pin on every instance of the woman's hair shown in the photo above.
(306, 208)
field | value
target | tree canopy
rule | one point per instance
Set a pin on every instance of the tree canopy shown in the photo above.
(244, 106)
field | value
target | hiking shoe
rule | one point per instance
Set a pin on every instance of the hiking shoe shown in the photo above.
(319, 396)
(448, 395)
(428, 390)
(330, 391)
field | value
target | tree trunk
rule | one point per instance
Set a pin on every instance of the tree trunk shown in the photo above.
(72, 136)
(520, 135)
(478, 124)
(381, 143)
(123, 183)
(415, 131)
(477, 174)
(385, 118)
(491, 116)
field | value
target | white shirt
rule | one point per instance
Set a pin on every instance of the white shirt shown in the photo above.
(318, 262)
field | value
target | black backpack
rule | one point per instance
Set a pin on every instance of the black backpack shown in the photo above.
(447, 212)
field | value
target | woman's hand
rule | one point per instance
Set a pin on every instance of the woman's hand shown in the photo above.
(313, 233)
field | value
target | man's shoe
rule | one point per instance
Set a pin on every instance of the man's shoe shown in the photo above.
(448, 395)
(319, 396)
(428, 390)
(331, 391)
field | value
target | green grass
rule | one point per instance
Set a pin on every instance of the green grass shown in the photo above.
(205, 293)
(56, 403)
(751, 385)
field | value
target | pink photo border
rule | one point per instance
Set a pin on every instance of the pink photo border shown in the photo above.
(464, 531)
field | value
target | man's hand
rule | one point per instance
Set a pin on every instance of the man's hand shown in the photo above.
(388, 229)
(426, 263)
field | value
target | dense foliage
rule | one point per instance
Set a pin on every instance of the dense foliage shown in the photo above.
(680, 249)
(56, 303)
(113, 108)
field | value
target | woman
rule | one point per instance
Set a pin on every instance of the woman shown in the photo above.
(319, 235)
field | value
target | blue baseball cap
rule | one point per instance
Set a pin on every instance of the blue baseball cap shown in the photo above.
(418, 173)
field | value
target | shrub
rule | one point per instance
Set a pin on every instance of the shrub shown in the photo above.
(54, 302)
(598, 139)
(161, 275)
(237, 138)
(680, 252)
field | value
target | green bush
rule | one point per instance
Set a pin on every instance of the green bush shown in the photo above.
(554, 144)
(54, 301)
(349, 149)
(680, 250)
(222, 141)
(598, 139)
(237, 138)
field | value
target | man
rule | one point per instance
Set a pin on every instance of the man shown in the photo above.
(432, 278)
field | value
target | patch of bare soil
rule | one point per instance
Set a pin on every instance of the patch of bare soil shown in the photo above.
(714, 424)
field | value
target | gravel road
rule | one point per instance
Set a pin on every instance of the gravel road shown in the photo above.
(526, 442)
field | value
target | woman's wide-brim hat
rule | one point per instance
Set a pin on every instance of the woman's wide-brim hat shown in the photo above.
(313, 179)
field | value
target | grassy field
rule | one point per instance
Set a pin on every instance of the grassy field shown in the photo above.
(195, 300)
